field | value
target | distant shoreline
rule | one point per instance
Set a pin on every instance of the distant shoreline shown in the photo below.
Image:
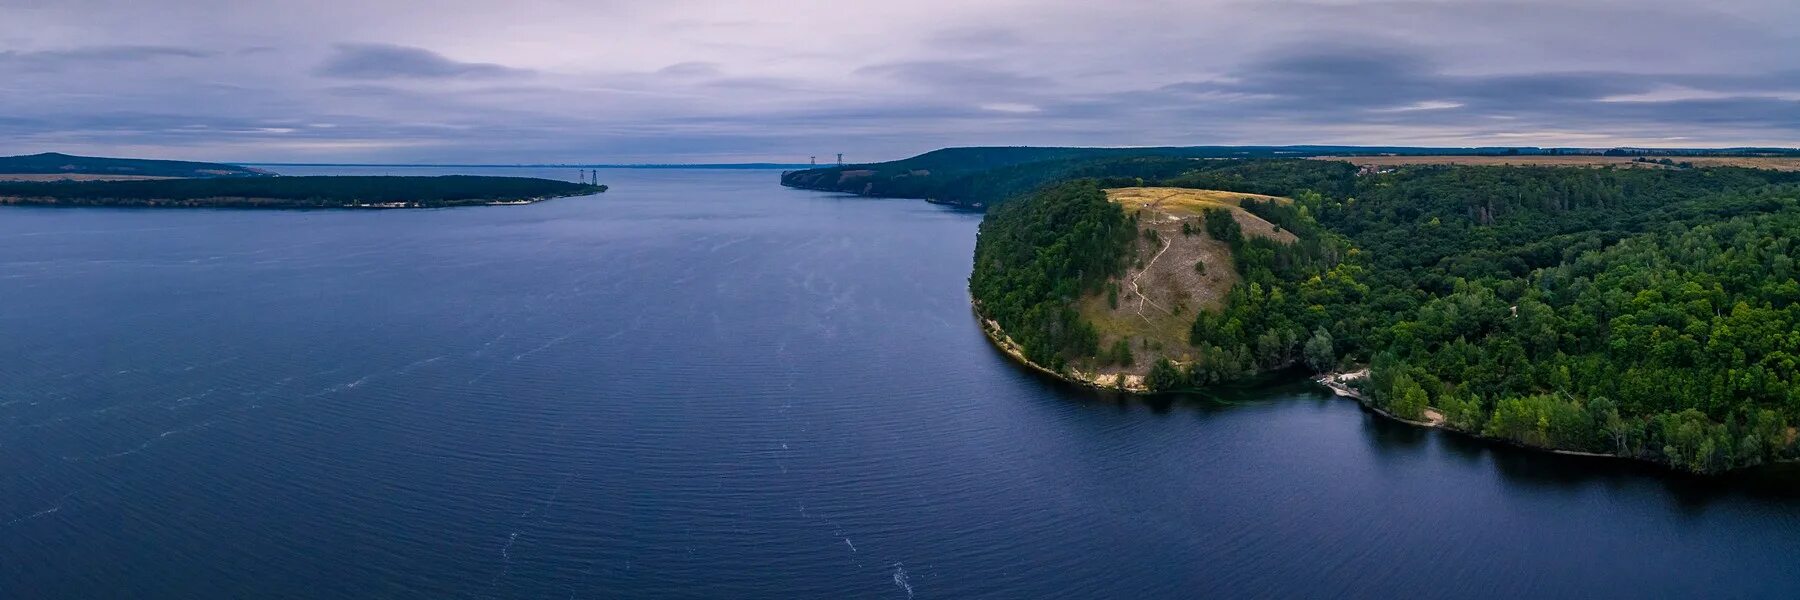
(715, 166)
(240, 203)
(305, 192)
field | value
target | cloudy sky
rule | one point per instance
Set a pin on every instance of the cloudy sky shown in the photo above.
(737, 80)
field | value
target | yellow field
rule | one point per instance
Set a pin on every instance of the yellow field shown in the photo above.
(1181, 201)
(1166, 204)
(1753, 162)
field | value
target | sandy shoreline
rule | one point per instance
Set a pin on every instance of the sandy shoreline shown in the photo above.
(1133, 383)
(1339, 383)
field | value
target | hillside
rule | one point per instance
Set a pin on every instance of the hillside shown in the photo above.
(51, 165)
(296, 192)
(1095, 283)
(1177, 269)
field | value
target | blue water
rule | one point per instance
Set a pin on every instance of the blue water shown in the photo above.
(702, 385)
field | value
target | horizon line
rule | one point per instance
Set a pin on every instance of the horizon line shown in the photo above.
(766, 165)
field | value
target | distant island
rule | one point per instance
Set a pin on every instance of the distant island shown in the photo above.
(63, 180)
(52, 166)
(1630, 306)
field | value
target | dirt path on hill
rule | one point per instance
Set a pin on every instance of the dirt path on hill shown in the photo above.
(1166, 245)
(1142, 299)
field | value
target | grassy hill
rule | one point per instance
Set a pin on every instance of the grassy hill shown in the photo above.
(74, 167)
(1177, 268)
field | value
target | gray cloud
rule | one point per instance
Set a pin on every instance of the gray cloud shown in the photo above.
(691, 69)
(956, 75)
(388, 61)
(69, 57)
(1396, 84)
(978, 38)
(708, 80)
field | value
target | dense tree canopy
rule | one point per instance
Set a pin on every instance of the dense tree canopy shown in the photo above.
(1034, 259)
(1651, 313)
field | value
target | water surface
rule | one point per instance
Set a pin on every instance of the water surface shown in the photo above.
(702, 385)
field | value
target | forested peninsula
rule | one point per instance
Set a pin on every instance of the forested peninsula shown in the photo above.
(982, 177)
(1649, 313)
(295, 192)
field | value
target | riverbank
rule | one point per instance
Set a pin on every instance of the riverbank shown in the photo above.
(997, 336)
(1341, 383)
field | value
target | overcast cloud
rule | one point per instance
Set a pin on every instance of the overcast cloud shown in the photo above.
(736, 80)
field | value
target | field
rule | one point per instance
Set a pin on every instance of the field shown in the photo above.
(1162, 290)
(1754, 162)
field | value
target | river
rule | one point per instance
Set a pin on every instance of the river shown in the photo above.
(703, 385)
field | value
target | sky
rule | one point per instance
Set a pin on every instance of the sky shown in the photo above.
(462, 81)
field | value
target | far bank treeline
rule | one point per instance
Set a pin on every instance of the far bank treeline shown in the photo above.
(985, 177)
(293, 192)
(1646, 313)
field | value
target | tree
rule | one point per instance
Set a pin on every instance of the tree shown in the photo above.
(1163, 376)
(1407, 399)
(1614, 431)
(1121, 352)
(1318, 351)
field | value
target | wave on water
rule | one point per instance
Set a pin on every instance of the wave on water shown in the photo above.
(900, 579)
(140, 447)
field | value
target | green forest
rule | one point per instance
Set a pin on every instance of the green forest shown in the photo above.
(1648, 313)
(292, 192)
(1033, 259)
